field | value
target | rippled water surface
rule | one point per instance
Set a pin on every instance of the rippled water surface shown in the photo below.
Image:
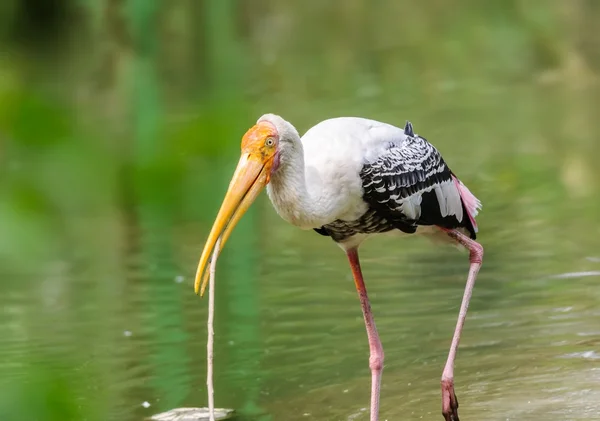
(290, 338)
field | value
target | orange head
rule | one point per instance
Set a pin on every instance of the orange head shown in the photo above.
(261, 143)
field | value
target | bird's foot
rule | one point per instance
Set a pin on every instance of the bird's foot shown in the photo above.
(449, 401)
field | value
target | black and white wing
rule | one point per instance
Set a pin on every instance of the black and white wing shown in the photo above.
(409, 184)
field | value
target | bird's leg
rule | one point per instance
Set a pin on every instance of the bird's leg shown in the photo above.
(449, 401)
(375, 348)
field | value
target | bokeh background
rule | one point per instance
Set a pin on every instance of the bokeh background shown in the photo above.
(120, 123)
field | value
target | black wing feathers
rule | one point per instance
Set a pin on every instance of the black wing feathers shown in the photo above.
(403, 188)
(412, 168)
(402, 171)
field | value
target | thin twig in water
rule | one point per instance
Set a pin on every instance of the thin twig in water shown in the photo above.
(211, 332)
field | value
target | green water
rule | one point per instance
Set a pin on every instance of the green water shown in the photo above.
(112, 168)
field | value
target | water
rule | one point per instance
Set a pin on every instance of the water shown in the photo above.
(290, 338)
(101, 226)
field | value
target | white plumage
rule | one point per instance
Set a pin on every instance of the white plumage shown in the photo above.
(319, 178)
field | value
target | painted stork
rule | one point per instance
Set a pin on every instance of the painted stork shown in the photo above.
(348, 178)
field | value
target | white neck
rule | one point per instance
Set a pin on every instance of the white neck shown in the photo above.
(302, 196)
(289, 193)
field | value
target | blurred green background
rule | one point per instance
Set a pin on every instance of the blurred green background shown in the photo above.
(120, 123)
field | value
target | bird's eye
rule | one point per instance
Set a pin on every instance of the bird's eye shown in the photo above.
(269, 141)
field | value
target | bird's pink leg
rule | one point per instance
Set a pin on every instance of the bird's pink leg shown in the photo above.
(449, 401)
(375, 348)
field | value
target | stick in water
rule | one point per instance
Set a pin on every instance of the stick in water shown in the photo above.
(211, 332)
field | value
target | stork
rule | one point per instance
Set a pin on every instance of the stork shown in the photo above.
(349, 178)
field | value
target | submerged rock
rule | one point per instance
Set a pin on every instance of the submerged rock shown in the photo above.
(192, 414)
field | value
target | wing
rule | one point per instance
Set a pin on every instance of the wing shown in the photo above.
(410, 184)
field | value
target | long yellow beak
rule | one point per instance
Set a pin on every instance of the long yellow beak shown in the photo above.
(249, 179)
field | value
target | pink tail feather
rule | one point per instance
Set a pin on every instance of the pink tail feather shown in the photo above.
(472, 204)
